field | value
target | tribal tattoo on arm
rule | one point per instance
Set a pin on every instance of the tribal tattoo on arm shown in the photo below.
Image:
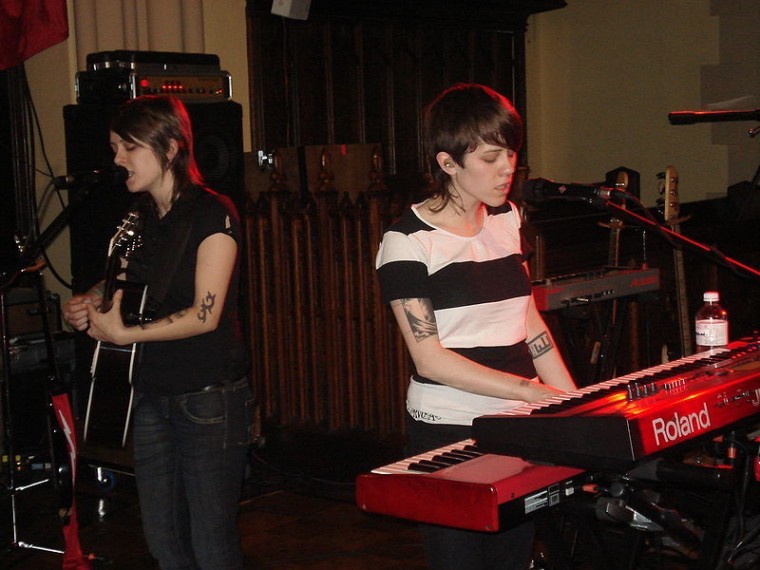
(419, 313)
(540, 345)
(207, 305)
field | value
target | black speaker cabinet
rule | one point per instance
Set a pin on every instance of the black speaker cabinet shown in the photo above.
(218, 136)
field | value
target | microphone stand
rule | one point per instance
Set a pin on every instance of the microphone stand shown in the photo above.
(710, 252)
(27, 262)
(29, 253)
(13, 488)
(690, 117)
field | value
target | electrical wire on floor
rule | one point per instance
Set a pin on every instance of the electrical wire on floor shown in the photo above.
(273, 476)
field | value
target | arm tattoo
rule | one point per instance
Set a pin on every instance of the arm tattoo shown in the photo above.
(540, 345)
(168, 319)
(419, 313)
(177, 315)
(207, 306)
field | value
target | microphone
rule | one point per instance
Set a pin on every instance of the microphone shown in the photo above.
(540, 190)
(691, 117)
(115, 175)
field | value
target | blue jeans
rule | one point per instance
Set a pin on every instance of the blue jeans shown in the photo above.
(457, 549)
(190, 454)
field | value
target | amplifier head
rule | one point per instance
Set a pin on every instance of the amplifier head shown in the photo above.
(115, 85)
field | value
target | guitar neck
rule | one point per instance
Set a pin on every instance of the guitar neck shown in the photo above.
(113, 266)
(613, 256)
(684, 317)
(672, 217)
(122, 244)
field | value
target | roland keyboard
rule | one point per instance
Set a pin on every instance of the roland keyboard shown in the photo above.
(459, 486)
(613, 424)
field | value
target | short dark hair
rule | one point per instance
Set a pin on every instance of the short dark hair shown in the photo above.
(156, 120)
(462, 117)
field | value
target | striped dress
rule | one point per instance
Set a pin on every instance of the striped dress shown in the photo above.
(480, 292)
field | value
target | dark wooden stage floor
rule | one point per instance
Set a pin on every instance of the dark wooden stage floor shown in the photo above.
(280, 529)
(297, 512)
(283, 526)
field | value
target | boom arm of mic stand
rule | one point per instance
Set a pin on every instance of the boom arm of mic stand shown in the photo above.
(709, 252)
(706, 116)
(32, 251)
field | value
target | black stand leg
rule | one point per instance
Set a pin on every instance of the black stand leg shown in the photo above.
(611, 339)
(600, 326)
(724, 503)
(14, 489)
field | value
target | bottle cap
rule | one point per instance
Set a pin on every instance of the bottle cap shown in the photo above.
(711, 296)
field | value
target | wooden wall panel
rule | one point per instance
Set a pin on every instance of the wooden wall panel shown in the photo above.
(324, 348)
(347, 81)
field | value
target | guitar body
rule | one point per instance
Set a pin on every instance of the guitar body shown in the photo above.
(109, 404)
(110, 401)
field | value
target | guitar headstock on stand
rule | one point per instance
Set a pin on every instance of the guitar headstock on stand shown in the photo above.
(669, 200)
(671, 213)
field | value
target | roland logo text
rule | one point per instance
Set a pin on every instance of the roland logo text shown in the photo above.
(668, 430)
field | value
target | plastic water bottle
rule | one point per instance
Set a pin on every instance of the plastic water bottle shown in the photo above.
(711, 323)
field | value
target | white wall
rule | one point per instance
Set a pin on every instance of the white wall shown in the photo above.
(51, 82)
(225, 30)
(603, 76)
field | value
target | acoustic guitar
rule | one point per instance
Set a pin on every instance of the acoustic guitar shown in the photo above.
(109, 404)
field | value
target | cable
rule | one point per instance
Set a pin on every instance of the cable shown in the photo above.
(29, 131)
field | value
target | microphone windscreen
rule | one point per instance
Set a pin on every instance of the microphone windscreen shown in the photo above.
(119, 174)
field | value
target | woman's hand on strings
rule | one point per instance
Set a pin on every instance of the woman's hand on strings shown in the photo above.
(109, 326)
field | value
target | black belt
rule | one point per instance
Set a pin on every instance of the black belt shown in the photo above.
(423, 380)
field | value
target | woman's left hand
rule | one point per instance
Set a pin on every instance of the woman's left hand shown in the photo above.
(109, 326)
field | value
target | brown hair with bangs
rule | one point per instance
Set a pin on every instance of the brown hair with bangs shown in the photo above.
(458, 120)
(155, 121)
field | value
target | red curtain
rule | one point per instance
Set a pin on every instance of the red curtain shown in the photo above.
(29, 26)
